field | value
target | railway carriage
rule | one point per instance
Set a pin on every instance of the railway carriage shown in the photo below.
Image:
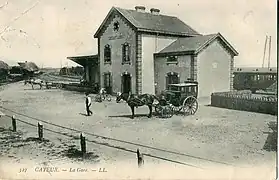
(254, 78)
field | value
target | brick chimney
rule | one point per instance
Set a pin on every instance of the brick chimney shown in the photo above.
(140, 8)
(155, 11)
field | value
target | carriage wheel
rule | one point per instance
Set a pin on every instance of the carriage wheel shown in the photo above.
(190, 105)
(102, 97)
(98, 98)
(158, 109)
(108, 97)
(59, 86)
(168, 111)
(176, 109)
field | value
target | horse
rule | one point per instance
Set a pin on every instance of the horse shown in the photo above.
(34, 82)
(134, 100)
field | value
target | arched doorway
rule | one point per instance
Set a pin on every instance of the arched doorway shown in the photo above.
(126, 82)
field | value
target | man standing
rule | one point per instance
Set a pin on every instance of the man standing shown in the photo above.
(88, 104)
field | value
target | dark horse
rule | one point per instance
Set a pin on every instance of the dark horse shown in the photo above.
(134, 100)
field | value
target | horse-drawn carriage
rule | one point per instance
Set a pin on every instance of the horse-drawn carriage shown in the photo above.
(178, 98)
(41, 83)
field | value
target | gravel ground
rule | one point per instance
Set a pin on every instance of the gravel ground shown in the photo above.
(215, 139)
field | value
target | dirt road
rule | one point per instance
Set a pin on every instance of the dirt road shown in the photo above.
(211, 138)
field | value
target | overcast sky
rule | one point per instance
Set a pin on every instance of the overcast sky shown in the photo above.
(55, 29)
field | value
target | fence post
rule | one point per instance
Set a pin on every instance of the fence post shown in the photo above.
(40, 131)
(14, 123)
(82, 144)
(140, 159)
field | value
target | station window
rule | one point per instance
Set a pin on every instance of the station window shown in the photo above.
(255, 77)
(107, 54)
(126, 53)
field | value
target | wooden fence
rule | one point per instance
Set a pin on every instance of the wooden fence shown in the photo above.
(245, 102)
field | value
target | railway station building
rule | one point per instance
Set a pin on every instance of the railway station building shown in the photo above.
(143, 51)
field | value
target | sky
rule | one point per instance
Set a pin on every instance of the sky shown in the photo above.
(54, 29)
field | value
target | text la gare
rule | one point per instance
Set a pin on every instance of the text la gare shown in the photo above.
(78, 170)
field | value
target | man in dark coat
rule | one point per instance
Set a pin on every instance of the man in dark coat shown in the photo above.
(88, 104)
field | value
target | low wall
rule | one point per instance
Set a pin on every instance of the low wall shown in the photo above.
(245, 102)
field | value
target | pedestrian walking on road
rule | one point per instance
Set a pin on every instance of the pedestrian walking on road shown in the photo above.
(88, 104)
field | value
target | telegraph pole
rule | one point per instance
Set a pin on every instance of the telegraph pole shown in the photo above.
(264, 49)
(269, 50)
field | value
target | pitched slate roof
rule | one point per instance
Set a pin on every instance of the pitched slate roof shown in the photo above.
(194, 44)
(147, 22)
